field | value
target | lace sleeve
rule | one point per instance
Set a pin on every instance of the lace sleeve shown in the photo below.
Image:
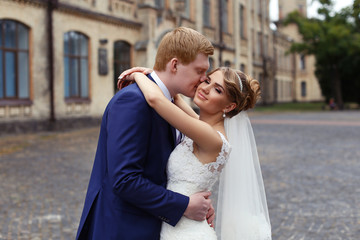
(223, 156)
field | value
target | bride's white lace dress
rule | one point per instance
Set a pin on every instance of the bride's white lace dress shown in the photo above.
(187, 175)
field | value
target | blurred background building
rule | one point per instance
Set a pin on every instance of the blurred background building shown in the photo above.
(60, 59)
(295, 76)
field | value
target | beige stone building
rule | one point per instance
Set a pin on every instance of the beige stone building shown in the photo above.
(284, 84)
(59, 59)
(295, 77)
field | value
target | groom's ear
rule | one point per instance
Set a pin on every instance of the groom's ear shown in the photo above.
(173, 65)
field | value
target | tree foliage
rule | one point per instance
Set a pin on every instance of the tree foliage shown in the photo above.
(334, 40)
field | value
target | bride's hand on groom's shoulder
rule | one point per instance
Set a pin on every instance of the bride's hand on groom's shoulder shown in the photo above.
(199, 207)
(126, 79)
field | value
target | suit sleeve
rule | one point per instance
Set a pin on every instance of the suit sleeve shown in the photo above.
(129, 129)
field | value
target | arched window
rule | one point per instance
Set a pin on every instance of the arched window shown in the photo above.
(14, 60)
(76, 65)
(122, 59)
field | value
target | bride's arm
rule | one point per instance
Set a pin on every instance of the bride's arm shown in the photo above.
(179, 101)
(200, 132)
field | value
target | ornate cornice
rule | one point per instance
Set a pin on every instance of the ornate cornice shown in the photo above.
(75, 10)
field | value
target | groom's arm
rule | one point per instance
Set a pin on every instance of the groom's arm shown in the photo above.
(129, 132)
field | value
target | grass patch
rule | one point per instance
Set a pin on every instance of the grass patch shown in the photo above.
(290, 107)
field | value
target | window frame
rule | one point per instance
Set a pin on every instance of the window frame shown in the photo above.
(118, 63)
(160, 6)
(72, 94)
(302, 62)
(207, 13)
(225, 16)
(242, 19)
(15, 98)
(303, 88)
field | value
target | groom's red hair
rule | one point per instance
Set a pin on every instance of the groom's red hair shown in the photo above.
(184, 44)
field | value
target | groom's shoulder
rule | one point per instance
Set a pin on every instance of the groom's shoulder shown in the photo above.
(130, 95)
(131, 91)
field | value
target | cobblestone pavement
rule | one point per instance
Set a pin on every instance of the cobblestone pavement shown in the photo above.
(311, 170)
(43, 180)
(310, 165)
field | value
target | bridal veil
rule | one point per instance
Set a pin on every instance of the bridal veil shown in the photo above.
(242, 211)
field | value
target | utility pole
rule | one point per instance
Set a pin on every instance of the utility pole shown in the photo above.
(51, 5)
(264, 56)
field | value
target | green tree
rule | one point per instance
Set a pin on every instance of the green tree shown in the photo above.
(334, 40)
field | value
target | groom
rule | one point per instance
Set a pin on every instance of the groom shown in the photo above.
(127, 196)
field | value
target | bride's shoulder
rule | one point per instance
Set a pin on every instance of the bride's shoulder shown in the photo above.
(224, 139)
(226, 147)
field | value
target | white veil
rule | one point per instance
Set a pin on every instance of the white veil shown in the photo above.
(242, 211)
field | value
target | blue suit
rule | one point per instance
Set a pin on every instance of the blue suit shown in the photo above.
(127, 196)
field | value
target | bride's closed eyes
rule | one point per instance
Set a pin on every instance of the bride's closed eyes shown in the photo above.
(218, 88)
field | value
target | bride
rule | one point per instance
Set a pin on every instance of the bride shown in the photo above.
(205, 155)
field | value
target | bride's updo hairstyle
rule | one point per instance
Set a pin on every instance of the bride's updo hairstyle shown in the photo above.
(247, 97)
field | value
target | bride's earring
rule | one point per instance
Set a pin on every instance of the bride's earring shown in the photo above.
(224, 115)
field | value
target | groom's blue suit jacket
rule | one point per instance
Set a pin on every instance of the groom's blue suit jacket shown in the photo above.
(127, 196)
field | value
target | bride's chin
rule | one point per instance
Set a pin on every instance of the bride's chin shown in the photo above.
(196, 101)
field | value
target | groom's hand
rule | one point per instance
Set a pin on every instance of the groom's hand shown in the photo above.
(199, 206)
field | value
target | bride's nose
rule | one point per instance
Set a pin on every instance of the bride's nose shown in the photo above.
(206, 88)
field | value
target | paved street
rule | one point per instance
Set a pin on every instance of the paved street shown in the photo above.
(310, 164)
(311, 171)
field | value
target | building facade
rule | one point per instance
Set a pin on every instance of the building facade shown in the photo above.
(295, 71)
(60, 59)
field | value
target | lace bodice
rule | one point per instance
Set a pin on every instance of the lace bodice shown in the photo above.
(187, 175)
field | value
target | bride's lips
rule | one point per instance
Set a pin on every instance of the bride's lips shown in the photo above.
(201, 96)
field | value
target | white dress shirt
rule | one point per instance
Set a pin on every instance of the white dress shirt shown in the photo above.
(161, 85)
(167, 95)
